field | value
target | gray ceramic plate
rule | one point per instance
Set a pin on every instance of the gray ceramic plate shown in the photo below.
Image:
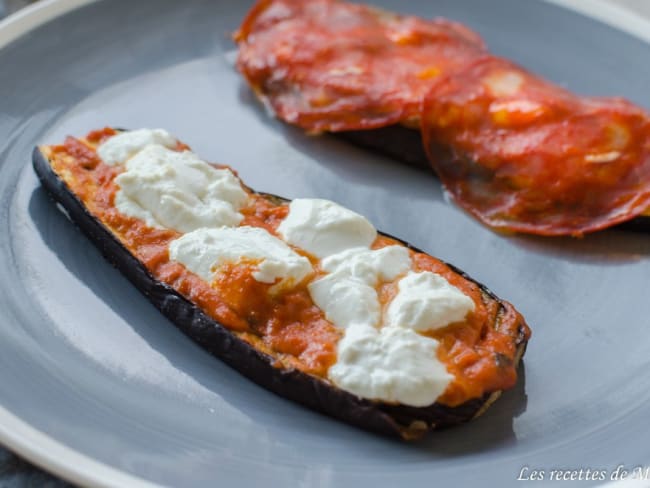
(98, 387)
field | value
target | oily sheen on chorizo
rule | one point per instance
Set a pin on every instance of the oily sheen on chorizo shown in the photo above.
(522, 154)
(515, 151)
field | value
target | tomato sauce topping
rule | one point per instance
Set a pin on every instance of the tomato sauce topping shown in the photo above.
(529, 156)
(480, 351)
(326, 65)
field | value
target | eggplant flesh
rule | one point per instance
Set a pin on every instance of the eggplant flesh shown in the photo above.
(316, 393)
(405, 145)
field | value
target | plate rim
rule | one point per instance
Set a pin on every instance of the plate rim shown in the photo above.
(55, 457)
(73, 466)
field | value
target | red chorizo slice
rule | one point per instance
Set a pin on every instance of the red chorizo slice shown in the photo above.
(326, 65)
(529, 156)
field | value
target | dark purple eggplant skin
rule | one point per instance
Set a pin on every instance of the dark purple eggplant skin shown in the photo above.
(405, 145)
(311, 391)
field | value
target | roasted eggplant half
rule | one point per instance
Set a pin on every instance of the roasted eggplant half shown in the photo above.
(305, 298)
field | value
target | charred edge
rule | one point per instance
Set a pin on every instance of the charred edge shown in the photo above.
(392, 420)
(405, 145)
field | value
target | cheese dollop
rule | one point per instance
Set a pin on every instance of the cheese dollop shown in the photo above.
(323, 228)
(347, 295)
(376, 359)
(120, 147)
(369, 266)
(177, 190)
(205, 251)
(385, 357)
(391, 364)
(427, 301)
(346, 301)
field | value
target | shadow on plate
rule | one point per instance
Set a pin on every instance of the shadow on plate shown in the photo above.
(494, 429)
(348, 161)
(608, 247)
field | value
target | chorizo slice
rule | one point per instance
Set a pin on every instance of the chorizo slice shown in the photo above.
(522, 154)
(326, 65)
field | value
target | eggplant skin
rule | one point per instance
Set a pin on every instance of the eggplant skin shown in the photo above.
(392, 420)
(405, 145)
